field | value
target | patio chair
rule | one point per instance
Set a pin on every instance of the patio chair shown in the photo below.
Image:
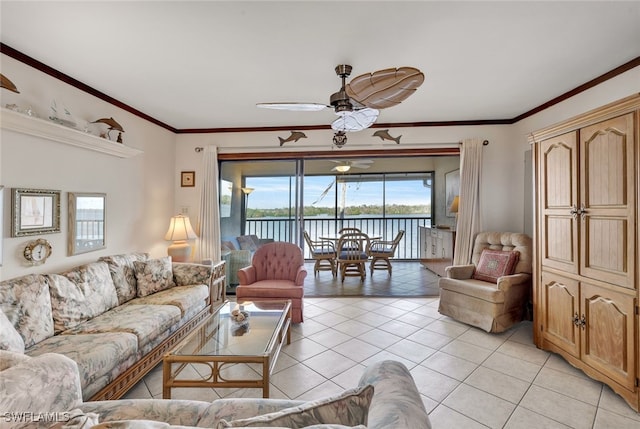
(324, 253)
(381, 250)
(352, 255)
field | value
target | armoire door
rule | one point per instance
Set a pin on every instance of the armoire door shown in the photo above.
(608, 334)
(607, 201)
(558, 202)
(561, 312)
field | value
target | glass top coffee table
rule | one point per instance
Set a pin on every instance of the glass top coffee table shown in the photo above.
(221, 341)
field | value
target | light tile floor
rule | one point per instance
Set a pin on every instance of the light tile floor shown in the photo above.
(467, 378)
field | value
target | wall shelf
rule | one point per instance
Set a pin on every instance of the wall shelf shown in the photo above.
(14, 121)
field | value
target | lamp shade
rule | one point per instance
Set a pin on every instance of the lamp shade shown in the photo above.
(247, 191)
(180, 229)
(454, 204)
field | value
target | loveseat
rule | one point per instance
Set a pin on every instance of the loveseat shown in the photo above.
(47, 387)
(115, 317)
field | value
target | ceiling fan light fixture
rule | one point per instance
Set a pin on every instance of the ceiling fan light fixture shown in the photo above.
(342, 168)
(340, 139)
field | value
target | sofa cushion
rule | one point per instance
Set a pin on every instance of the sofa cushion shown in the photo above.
(153, 275)
(349, 408)
(227, 246)
(52, 376)
(175, 411)
(11, 358)
(147, 322)
(495, 263)
(186, 298)
(242, 408)
(81, 294)
(10, 339)
(26, 303)
(123, 273)
(98, 356)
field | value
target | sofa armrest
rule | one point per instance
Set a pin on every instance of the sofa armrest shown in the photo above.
(460, 272)
(247, 275)
(46, 383)
(396, 400)
(506, 282)
(191, 274)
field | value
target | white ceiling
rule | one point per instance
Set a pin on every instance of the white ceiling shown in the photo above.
(206, 64)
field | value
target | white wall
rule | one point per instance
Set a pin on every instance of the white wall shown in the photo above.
(140, 197)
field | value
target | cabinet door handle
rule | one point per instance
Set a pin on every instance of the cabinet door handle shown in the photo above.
(574, 211)
(583, 322)
(576, 319)
(582, 211)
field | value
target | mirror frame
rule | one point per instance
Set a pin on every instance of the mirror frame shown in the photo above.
(92, 245)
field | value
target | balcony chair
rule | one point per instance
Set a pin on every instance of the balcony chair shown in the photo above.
(324, 253)
(493, 292)
(352, 255)
(277, 272)
(347, 230)
(380, 251)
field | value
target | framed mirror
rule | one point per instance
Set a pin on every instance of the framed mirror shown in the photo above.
(34, 211)
(87, 222)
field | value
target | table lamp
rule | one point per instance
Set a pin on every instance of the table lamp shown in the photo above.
(454, 206)
(179, 232)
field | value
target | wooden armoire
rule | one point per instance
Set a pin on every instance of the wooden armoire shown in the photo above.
(587, 189)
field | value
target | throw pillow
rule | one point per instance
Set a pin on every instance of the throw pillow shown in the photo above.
(495, 263)
(247, 243)
(350, 408)
(10, 339)
(153, 275)
(228, 246)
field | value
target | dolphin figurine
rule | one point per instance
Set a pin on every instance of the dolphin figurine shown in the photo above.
(384, 135)
(7, 84)
(113, 125)
(294, 137)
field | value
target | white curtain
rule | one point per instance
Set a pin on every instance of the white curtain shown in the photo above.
(469, 220)
(209, 216)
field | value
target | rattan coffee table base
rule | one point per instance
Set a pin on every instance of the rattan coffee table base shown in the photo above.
(173, 364)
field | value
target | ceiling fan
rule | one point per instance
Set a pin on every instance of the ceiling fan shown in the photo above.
(344, 166)
(357, 103)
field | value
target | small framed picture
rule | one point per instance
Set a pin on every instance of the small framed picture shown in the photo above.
(35, 211)
(188, 179)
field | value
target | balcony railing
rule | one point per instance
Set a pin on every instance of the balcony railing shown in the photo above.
(283, 229)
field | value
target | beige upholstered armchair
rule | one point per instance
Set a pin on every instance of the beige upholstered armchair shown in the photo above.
(493, 291)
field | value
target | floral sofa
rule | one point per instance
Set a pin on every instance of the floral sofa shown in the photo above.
(47, 388)
(115, 317)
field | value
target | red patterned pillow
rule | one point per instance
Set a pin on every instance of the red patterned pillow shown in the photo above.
(496, 263)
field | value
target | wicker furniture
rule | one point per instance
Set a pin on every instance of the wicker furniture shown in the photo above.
(380, 251)
(323, 253)
(223, 341)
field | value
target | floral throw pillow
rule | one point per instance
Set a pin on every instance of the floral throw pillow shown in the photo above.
(350, 408)
(10, 339)
(496, 263)
(153, 275)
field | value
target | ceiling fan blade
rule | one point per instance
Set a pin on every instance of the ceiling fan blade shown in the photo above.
(357, 120)
(385, 88)
(298, 107)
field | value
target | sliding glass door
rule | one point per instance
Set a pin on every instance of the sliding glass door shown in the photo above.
(279, 199)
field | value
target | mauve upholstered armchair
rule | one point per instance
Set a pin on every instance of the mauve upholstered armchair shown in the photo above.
(493, 305)
(277, 272)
